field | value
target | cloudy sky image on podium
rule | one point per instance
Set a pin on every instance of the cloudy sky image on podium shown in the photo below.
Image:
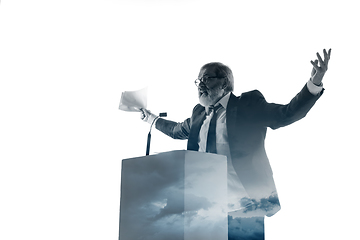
(164, 200)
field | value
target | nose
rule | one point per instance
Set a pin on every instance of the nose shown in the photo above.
(202, 84)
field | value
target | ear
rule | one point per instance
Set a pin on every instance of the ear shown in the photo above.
(225, 84)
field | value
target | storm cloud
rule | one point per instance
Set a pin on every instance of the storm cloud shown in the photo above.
(258, 207)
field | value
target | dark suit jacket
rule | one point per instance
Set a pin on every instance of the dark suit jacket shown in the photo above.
(248, 117)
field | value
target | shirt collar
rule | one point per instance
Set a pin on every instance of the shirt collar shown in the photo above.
(224, 100)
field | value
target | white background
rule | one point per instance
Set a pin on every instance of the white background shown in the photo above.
(64, 64)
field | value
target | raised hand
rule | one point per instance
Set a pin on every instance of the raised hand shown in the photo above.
(319, 71)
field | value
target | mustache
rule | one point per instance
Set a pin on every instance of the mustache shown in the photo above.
(201, 89)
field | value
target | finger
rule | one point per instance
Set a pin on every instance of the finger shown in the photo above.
(143, 113)
(327, 56)
(322, 64)
(315, 65)
(326, 59)
(316, 62)
(313, 71)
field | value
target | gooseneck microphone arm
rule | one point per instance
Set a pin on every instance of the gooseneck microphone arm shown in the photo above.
(164, 114)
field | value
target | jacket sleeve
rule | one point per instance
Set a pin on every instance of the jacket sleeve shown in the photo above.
(174, 129)
(277, 115)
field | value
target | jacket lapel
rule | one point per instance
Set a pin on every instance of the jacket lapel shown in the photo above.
(231, 113)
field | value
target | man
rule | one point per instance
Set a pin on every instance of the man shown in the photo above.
(236, 127)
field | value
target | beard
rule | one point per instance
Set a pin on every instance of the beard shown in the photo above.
(209, 97)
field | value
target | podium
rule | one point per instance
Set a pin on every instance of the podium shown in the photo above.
(177, 195)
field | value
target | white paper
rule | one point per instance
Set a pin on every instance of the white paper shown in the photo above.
(132, 101)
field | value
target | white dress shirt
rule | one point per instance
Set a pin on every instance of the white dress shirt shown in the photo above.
(236, 191)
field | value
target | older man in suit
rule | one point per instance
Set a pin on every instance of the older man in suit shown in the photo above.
(225, 124)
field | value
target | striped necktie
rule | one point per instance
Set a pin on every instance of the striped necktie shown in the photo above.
(211, 137)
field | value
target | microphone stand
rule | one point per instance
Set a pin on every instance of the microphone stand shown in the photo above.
(149, 134)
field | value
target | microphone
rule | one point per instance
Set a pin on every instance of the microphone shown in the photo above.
(163, 114)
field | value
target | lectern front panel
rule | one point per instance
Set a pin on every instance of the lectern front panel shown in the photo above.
(174, 195)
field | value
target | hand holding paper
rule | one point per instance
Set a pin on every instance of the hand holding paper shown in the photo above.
(147, 116)
(133, 101)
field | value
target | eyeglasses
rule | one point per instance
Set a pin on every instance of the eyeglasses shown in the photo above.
(204, 80)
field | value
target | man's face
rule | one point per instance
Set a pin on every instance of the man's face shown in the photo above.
(212, 91)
